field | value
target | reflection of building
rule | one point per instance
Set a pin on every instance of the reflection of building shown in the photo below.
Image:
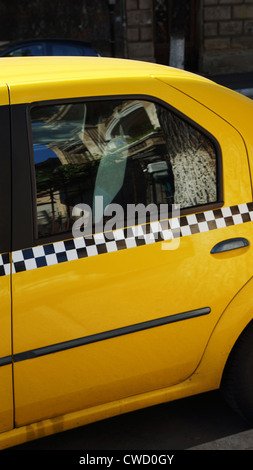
(93, 157)
(217, 33)
(122, 151)
(97, 136)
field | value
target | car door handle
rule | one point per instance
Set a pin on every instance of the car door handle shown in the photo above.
(230, 244)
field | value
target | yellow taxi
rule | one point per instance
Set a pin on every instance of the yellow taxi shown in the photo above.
(126, 232)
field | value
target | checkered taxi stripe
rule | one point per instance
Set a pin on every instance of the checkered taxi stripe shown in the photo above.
(69, 250)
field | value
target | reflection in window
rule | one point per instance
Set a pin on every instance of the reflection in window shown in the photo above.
(32, 50)
(124, 151)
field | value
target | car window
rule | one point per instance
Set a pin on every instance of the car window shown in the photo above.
(31, 50)
(66, 49)
(116, 152)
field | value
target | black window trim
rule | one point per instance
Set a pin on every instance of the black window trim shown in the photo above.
(6, 183)
(185, 211)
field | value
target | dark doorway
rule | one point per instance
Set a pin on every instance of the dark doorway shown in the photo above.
(166, 18)
(162, 30)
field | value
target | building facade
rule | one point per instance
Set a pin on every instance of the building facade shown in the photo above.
(205, 36)
(227, 31)
(218, 34)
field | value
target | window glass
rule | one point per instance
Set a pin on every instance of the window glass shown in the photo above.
(66, 49)
(32, 50)
(116, 152)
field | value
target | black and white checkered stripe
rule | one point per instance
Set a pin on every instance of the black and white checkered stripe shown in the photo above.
(5, 264)
(69, 250)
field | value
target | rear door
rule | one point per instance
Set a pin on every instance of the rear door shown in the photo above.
(6, 392)
(122, 312)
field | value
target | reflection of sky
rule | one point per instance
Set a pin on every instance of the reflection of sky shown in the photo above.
(60, 133)
(42, 153)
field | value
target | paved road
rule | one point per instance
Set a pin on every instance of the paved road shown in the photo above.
(180, 425)
(240, 441)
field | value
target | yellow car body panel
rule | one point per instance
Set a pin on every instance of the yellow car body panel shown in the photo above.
(84, 298)
(235, 318)
(220, 100)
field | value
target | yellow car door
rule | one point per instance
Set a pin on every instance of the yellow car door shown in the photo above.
(122, 312)
(6, 390)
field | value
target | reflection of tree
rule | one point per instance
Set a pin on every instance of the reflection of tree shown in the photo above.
(192, 158)
(51, 175)
(44, 174)
(66, 182)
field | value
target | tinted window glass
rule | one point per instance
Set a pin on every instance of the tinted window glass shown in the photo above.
(32, 50)
(66, 49)
(121, 152)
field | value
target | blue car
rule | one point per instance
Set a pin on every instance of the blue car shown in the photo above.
(47, 47)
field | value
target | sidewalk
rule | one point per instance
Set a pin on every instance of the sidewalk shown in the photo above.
(241, 82)
(241, 441)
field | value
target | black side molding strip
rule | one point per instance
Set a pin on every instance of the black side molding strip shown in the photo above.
(34, 353)
(5, 361)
